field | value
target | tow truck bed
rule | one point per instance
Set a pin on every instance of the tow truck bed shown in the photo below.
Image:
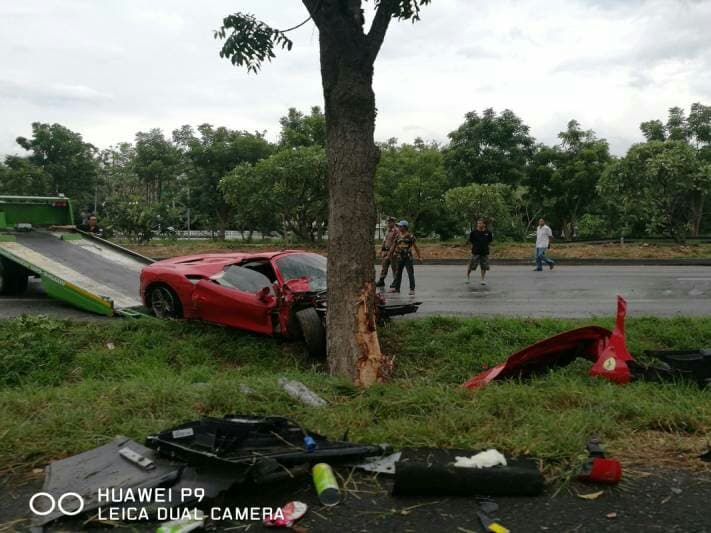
(73, 260)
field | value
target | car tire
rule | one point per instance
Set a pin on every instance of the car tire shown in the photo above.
(13, 277)
(314, 332)
(164, 302)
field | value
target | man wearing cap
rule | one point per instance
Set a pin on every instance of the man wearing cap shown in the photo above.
(388, 242)
(402, 250)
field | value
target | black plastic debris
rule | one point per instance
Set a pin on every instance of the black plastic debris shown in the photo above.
(431, 472)
(254, 447)
(690, 365)
(100, 468)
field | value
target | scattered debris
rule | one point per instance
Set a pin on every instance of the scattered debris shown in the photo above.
(706, 456)
(86, 473)
(290, 513)
(326, 485)
(302, 393)
(485, 459)
(487, 505)
(380, 465)
(197, 521)
(591, 496)
(110, 346)
(491, 525)
(261, 448)
(606, 349)
(136, 458)
(690, 365)
(246, 389)
(195, 461)
(611, 515)
(676, 490)
(431, 472)
(598, 469)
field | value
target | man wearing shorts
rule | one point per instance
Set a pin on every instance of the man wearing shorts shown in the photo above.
(480, 239)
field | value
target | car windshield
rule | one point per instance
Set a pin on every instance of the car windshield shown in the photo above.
(242, 279)
(311, 266)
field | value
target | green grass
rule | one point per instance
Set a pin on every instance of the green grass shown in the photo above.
(63, 390)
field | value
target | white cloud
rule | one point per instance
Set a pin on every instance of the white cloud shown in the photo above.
(108, 69)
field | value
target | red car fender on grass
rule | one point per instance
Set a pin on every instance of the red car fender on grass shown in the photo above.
(606, 349)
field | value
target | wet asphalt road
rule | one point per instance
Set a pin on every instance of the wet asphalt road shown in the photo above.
(567, 291)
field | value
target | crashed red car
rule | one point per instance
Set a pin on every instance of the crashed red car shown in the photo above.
(273, 293)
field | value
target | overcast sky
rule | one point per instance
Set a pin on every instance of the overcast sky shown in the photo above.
(110, 68)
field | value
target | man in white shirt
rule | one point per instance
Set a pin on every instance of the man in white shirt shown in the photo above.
(543, 237)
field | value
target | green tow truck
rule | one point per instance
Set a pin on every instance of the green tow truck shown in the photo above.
(38, 239)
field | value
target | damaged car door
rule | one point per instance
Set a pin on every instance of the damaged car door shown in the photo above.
(237, 297)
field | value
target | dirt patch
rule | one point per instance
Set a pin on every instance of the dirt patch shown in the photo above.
(665, 450)
(452, 251)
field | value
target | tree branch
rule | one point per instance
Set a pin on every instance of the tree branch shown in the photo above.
(386, 11)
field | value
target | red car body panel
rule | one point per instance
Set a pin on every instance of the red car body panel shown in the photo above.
(606, 349)
(190, 278)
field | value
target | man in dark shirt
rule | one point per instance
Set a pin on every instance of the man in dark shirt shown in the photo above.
(480, 239)
(91, 226)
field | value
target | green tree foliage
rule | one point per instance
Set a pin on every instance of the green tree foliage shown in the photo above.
(653, 130)
(19, 176)
(491, 148)
(658, 184)
(410, 183)
(288, 190)
(475, 201)
(68, 161)
(211, 153)
(694, 129)
(157, 163)
(117, 175)
(563, 179)
(298, 129)
(132, 218)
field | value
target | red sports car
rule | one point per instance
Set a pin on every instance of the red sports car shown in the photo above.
(274, 293)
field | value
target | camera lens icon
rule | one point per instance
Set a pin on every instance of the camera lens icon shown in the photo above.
(69, 503)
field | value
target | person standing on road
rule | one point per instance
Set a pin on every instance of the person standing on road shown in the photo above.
(480, 238)
(402, 251)
(543, 242)
(388, 243)
(91, 225)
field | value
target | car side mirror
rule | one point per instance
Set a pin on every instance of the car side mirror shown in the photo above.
(264, 295)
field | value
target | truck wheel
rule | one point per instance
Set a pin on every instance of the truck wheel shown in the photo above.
(314, 332)
(164, 302)
(13, 277)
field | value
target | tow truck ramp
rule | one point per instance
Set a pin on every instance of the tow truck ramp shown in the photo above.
(79, 268)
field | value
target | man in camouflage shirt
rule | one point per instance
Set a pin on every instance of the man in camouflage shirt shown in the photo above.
(387, 260)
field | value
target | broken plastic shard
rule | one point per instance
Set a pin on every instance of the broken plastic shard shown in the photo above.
(290, 513)
(592, 495)
(381, 465)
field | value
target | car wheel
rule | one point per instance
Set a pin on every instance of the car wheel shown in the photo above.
(314, 332)
(164, 302)
(13, 277)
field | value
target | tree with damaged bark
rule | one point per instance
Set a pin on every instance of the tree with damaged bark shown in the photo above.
(347, 52)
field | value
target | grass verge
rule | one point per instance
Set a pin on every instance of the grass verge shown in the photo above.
(69, 386)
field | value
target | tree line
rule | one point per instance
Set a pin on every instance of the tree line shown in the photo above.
(216, 178)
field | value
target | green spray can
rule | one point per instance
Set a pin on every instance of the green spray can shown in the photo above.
(326, 484)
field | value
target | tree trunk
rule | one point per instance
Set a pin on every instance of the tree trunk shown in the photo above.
(697, 214)
(347, 76)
